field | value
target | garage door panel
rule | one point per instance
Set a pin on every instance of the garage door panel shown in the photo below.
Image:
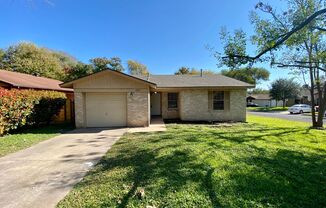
(106, 109)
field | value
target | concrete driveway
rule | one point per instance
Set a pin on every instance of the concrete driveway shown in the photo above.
(43, 174)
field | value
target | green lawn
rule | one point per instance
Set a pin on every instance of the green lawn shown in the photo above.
(267, 109)
(17, 141)
(264, 163)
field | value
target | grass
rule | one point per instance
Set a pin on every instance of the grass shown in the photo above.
(266, 162)
(267, 109)
(26, 138)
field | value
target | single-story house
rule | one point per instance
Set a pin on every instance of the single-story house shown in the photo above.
(110, 98)
(15, 80)
(264, 100)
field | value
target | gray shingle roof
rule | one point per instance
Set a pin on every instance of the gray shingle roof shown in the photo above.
(261, 96)
(176, 81)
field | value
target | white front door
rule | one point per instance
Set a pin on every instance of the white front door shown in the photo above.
(156, 104)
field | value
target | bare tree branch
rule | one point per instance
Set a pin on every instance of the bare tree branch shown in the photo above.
(281, 65)
(307, 62)
(294, 30)
(283, 39)
(320, 28)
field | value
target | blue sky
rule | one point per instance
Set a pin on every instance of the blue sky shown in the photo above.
(164, 35)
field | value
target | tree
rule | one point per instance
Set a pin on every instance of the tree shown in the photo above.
(31, 59)
(182, 70)
(78, 71)
(2, 54)
(66, 61)
(283, 89)
(100, 63)
(192, 71)
(294, 39)
(249, 75)
(137, 68)
(115, 64)
(232, 44)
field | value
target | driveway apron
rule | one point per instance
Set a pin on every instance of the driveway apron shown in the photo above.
(43, 174)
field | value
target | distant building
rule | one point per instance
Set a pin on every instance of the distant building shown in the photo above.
(264, 100)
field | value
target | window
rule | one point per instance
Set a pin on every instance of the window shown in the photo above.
(172, 100)
(218, 101)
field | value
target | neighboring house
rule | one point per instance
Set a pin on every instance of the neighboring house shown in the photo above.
(111, 98)
(264, 100)
(15, 80)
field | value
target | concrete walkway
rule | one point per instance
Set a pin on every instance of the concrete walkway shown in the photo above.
(157, 125)
(43, 174)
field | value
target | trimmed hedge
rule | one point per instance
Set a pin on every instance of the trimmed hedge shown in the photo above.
(20, 108)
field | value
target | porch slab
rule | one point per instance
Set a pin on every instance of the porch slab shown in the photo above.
(157, 125)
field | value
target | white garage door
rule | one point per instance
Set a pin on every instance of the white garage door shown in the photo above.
(106, 109)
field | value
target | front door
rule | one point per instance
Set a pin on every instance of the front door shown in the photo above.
(156, 104)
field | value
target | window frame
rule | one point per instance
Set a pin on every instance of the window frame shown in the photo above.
(218, 100)
(176, 100)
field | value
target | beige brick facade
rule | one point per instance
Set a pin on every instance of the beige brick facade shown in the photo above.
(138, 109)
(166, 112)
(193, 104)
(196, 105)
(79, 109)
(137, 96)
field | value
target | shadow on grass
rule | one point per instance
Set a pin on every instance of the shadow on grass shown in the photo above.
(286, 178)
(49, 129)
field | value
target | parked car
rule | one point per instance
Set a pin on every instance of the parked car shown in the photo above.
(252, 105)
(300, 108)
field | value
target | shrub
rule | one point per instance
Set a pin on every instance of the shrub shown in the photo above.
(28, 107)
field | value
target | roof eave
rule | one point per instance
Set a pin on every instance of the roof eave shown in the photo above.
(203, 87)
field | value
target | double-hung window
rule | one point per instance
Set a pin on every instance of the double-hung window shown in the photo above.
(218, 100)
(172, 100)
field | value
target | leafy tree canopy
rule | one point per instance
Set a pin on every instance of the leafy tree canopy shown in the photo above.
(232, 44)
(79, 70)
(101, 63)
(2, 54)
(249, 75)
(28, 58)
(115, 64)
(137, 68)
(282, 89)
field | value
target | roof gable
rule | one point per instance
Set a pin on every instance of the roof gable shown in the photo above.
(98, 78)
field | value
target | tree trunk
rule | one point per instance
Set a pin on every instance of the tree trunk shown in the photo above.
(313, 112)
(312, 84)
(283, 103)
(322, 106)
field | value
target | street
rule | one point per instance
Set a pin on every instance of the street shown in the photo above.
(284, 115)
